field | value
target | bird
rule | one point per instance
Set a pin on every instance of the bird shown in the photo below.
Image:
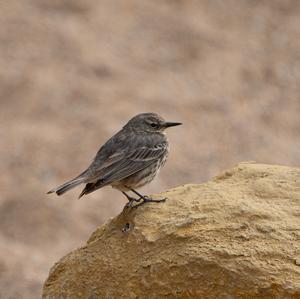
(129, 160)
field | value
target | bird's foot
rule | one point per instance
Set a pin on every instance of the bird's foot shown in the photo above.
(148, 199)
(131, 201)
(145, 198)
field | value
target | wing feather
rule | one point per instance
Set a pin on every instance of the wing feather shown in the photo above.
(127, 164)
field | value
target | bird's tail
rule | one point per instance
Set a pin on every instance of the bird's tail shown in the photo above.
(68, 185)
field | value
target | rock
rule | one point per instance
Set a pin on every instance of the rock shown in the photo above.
(236, 236)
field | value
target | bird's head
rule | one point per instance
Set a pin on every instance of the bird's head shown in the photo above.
(149, 122)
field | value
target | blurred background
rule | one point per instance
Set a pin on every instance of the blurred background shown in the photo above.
(72, 72)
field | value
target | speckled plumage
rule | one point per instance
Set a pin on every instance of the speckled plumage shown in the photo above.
(128, 160)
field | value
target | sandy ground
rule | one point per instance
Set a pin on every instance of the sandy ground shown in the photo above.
(73, 72)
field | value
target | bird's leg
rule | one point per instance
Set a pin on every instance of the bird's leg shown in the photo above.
(146, 198)
(131, 200)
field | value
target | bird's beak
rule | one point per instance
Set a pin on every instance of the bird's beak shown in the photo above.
(171, 124)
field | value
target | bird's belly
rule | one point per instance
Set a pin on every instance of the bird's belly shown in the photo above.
(141, 178)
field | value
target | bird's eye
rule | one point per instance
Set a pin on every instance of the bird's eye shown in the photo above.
(154, 125)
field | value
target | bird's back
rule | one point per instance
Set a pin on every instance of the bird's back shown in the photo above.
(126, 153)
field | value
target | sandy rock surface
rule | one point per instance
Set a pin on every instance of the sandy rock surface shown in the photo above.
(236, 236)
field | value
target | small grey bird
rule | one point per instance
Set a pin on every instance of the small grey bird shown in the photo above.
(128, 160)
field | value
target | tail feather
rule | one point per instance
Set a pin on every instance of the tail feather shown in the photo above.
(91, 187)
(67, 186)
(86, 189)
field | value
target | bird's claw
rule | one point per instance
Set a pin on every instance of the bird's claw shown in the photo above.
(148, 199)
(130, 204)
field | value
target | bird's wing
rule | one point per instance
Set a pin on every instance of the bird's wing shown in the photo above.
(124, 164)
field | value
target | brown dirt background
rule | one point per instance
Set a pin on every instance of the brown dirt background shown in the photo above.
(73, 72)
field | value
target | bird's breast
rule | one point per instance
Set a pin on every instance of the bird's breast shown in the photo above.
(142, 177)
